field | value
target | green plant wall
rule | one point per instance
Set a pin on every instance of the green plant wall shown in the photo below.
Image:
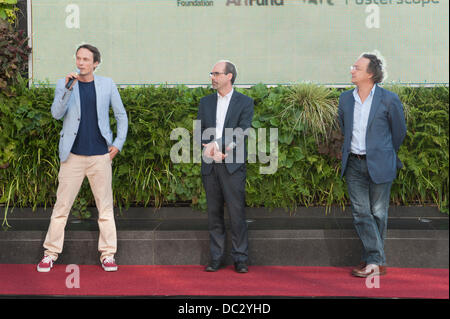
(308, 159)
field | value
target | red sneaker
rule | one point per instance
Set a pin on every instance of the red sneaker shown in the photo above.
(45, 265)
(109, 264)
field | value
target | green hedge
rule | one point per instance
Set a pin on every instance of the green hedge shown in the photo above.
(308, 166)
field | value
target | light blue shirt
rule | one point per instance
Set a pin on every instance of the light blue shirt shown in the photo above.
(360, 119)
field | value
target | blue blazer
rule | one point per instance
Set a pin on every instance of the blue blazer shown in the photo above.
(386, 130)
(66, 104)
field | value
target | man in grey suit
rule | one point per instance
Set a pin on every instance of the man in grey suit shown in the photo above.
(373, 124)
(225, 116)
(86, 148)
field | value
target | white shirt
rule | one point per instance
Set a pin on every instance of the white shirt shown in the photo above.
(360, 118)
(222, 107)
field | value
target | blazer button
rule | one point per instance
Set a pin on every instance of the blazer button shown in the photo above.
(74, 133)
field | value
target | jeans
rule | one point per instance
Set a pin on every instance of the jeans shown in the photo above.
(370, 204)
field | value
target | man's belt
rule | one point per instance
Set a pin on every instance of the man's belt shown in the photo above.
(358, 156)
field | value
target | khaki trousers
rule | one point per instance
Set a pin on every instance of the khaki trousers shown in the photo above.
(71, 175)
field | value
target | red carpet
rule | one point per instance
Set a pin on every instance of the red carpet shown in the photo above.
(193, 281)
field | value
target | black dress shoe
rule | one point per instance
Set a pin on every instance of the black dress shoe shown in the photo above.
(241, 267)
(213, 266)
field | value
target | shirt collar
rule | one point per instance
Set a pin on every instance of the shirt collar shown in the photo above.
(228, 96)
(372, 92)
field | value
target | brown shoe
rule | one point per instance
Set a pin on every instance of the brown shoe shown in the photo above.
(370, 270)
(361, 266)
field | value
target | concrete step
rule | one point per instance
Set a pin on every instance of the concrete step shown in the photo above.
(417, 237)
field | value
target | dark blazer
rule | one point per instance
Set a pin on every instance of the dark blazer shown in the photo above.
(239, 115)
(386, 129)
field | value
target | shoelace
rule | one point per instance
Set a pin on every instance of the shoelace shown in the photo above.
(108, 260)
(47, 259)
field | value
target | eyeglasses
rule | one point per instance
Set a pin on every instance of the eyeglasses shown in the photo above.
(211, 74)
(354, 68)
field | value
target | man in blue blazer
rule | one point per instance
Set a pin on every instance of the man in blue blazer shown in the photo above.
(373, 124)
(86, 148)
(225, 117)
